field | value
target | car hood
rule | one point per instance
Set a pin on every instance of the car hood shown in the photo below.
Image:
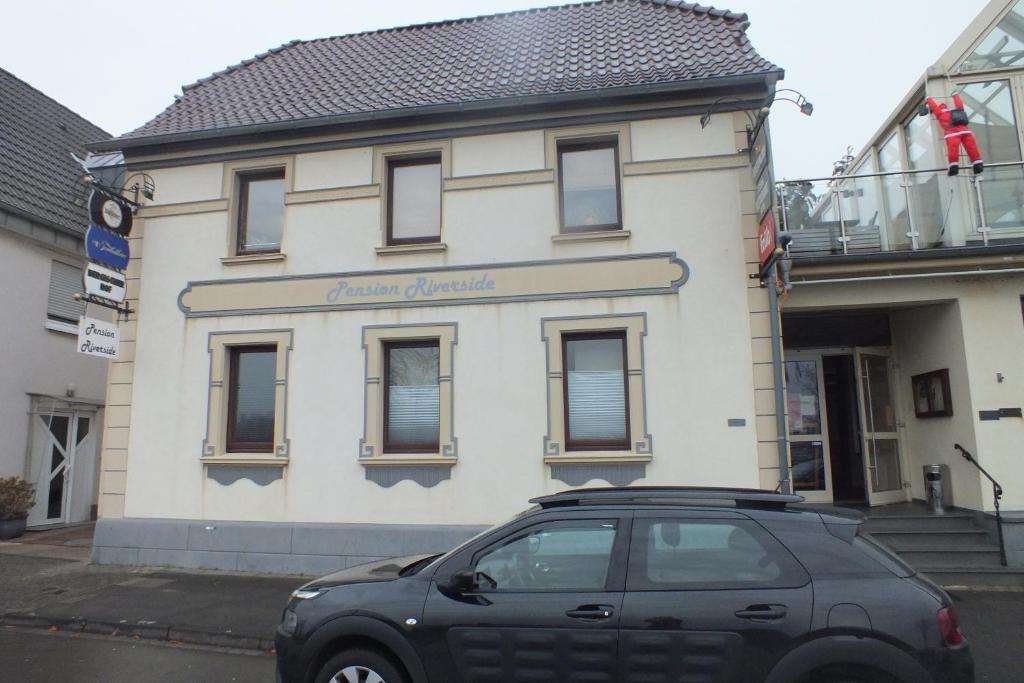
(371, 572)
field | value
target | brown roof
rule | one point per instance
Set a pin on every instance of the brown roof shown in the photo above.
(542, 52)
(38, 177)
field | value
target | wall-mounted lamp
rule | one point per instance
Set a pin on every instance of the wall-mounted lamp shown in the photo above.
(806, 108)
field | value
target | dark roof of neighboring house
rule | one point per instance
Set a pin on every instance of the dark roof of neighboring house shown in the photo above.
(550, 52)
(38, 177)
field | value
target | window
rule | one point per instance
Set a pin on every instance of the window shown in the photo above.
(251, 399)
(260, 212)
(989, 107)
(248, 396)
(596, 387)
(65, 282)
(412, 406)
(693, 554)
(588, 183)
(414, 200)
(560, 556)
(407, 416)
(596, 404)
(1001, 48)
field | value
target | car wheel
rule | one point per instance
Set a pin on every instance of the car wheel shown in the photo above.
(359, 666)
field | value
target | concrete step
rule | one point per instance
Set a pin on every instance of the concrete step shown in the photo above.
(973, 577)
(948, 522)
(909, 540)
(925, 558)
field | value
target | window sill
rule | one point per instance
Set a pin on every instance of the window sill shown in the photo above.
(428, 248)
(243, 459)
(593, 236)
(252, 258)
(66, 328)
(411, 460)
(597, 457)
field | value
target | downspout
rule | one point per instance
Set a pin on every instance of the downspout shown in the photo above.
(775, 327)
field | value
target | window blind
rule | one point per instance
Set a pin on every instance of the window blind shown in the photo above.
(414, 414)
(597, 405)
(65, 282)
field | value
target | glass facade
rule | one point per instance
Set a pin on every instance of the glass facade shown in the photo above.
(897, 222)
(990, 108)
(1003, 47)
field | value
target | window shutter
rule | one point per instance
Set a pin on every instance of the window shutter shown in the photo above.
(65, 282)
(597, 405)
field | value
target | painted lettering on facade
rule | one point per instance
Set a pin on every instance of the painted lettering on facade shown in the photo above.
(420, 288)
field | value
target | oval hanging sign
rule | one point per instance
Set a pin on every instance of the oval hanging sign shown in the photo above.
(104, 282)
(110, 212)
(103, 246)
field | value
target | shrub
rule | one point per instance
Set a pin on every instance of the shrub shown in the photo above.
(16, 497)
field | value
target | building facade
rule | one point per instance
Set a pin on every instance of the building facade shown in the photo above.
(903, 330)
(51, 397)
(384, 308)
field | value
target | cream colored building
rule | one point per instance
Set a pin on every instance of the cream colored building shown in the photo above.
(903, 331)
(380, 310)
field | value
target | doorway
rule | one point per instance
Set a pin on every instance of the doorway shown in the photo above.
(62, 464)
(844, 445)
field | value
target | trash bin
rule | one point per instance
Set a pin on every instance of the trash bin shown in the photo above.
(938, 488)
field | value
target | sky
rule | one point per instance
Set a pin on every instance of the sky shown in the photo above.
(120, 64)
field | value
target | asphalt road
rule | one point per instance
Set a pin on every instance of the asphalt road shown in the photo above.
(30, 656)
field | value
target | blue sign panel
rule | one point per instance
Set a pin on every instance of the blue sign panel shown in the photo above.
(103, 246)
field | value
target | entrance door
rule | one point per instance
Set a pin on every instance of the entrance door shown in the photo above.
(879, 428)
(810, 466)
(63, 466)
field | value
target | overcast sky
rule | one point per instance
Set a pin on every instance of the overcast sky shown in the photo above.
(119, 64)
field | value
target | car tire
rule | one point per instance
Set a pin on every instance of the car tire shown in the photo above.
(360, 666)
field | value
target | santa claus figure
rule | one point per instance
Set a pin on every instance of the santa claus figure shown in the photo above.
(956, 133)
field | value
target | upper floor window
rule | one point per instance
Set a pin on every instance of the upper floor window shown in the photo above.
(588, 179)
(414, 200)
(62, 310)
(251, 399)
(1002, 47)
(260, 212)
(596, 406)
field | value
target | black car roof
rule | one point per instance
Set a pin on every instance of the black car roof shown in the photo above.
(692, 496)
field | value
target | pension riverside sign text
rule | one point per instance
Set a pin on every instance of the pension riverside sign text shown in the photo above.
(611, 276)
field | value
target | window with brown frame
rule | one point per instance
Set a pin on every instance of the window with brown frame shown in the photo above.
(251, 398)
(414, 200)
(588, 186)
(260, 212)
(412, 406)
(594, 386)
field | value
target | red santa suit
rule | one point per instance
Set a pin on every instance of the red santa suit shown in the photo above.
(956, 133)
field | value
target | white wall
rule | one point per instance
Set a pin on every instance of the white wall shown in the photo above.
(697, 350)
(35, 359)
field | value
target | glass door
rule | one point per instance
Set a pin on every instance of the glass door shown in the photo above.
(810, 469)
(879, 428)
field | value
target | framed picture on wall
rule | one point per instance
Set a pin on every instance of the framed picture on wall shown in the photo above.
(931, 394)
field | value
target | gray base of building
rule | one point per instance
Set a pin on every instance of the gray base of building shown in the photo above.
(265, 547)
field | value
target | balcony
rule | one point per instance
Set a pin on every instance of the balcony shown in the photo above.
(907, 215)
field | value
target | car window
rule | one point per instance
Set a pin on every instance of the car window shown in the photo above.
(559, 556)
(694, 554)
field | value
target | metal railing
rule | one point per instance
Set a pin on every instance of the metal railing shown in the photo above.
(997, 493)
(905, 210)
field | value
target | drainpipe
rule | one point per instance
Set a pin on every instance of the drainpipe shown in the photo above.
(780, 392)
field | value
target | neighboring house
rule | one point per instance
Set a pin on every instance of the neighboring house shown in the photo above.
(51, 397)
(398, 283)
(899, 271)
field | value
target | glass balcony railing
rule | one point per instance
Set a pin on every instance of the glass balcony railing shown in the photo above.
(903, 210)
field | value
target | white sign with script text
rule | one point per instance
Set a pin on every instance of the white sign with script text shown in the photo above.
(98, 338)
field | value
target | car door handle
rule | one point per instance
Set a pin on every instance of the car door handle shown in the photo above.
(762, 612)
(591, 612)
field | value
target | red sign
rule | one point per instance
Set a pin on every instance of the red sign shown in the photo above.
(766, 237)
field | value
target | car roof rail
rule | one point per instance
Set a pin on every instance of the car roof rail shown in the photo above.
(670, 495)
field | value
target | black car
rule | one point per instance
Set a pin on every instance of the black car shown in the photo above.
(634, 585)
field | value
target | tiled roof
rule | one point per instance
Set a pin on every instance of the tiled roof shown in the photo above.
(543, 52)
(38, 177)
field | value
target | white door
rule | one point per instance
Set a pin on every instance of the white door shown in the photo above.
(810, 466)
(883, 474)
(63, 467)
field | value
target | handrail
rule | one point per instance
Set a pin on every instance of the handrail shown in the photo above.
(879, 174)
(997, 493)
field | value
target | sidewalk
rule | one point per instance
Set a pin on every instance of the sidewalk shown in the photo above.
(47, 582)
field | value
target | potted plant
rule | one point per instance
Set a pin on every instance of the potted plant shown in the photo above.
(16, 498)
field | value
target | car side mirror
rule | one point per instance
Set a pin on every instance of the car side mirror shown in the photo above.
(462, 581)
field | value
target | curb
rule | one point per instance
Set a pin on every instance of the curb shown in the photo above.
(168, 634)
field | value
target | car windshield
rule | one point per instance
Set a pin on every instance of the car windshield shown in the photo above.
(437, 560)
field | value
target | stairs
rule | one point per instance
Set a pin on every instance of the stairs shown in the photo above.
(948, 548)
